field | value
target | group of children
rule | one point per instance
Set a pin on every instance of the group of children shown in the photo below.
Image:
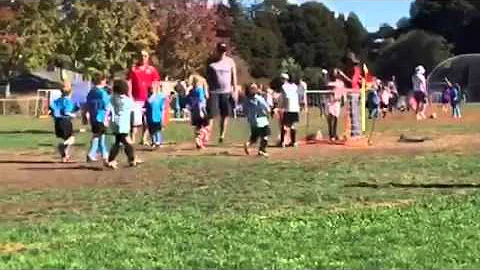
(381, 99)
(452, 96)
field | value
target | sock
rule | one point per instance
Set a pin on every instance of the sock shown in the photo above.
(293, 135)
(282, 135)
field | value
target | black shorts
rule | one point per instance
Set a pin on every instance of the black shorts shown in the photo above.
(154, 127)
(220, 104)
(257, 132)
(420, 97)
(63, 128)
(383, 105)
(290, 118)
(98, 128)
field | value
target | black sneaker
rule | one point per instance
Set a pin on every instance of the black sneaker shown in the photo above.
(220, 140)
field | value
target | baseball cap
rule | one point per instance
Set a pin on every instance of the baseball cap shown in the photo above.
(284, 76)
(222, 47)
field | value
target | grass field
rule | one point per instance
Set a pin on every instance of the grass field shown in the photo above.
(392, 205)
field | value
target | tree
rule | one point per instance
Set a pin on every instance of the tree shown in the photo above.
(314, 37)
(356, 35)
(410, 50)
(35, 26)
(446, 18)
(105, 36)
(187, 32)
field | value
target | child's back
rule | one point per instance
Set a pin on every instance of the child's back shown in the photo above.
(291, 100)
(122, 112)
(256, 110)
(98, 101)
(155, 107)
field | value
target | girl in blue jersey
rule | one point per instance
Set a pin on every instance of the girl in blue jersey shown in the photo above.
(197, 104)
(62, 110)
(122, 108)
(98, 106)
(155, 105)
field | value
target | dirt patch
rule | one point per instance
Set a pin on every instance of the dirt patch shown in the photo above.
(10, 248)
(372, 205)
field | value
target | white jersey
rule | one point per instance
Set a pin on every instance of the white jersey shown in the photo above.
(419, 83)
(290, 97)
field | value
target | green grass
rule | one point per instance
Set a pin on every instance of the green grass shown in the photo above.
(234, 212)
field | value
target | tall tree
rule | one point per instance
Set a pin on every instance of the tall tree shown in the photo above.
(315, 38)
(356, 35)
(187, 32)
(410, 50)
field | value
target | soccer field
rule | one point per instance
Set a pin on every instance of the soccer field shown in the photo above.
(391, 205)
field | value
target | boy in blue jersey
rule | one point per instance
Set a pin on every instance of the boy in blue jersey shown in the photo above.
(256, 110)
(62, 110)
(197, 104)
(122, 107)
(155, 105)
(98, 106)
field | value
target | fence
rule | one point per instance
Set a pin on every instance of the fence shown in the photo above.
(23, 106)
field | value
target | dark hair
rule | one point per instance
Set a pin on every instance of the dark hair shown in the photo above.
(98, 77)
(120, 87)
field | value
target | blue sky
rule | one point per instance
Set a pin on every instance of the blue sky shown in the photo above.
(372, 13)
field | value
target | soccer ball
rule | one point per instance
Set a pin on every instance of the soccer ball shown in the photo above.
(433, 116)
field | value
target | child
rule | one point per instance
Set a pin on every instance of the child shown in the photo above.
(197, 103)
(121, 124)
(291, 114)
(384, 100)
(155, 105)
(62, 110)
(446, 98)
(455, 100)
(256, 109)
(98, 106)
(373, 103)
(333, 105)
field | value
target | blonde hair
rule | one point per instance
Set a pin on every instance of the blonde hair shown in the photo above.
(67, 88)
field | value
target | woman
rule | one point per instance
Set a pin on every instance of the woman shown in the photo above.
(420, 92)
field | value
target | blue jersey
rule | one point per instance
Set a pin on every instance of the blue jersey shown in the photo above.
(98, 103)
(155, 105)
(62, 107)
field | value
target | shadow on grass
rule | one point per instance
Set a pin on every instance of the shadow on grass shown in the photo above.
(413, 185)
(27, 162)
(28, 131)
(72, 168)
(53, 145)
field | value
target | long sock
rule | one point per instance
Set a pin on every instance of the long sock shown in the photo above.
(61, 149)
(93, 148)
(263, 144)
(159, 137)
(282, 135)
(293, 135)
(102, 146)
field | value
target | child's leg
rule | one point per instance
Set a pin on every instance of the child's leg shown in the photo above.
(334, 127)
(115, 148)
(61, 149)
(129, 150)
(293, 135)
(330, 125)
(102, 146)
(92, 153)
(265, 132)
(68, 144)
(252, 139)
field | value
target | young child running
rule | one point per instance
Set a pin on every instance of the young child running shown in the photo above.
(256, 110)
(155, 105)
(98, 106)
(62, 110)
(197, 103)
(291, 114)
(455, 100)
(121, 125)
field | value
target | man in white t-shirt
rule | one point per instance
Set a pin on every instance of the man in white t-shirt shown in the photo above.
(291, 110)
(222, 81)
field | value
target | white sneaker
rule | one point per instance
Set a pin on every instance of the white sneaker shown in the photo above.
(263, 154)
(112, 165)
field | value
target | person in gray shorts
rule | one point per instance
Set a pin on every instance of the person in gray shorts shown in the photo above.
(222, 81)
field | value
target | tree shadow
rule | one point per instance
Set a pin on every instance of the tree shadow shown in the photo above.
(28, 131)
(71, 168)
(414, 186)
(27, 162)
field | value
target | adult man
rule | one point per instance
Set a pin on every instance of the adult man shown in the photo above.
(222, 81)
(141, 77)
